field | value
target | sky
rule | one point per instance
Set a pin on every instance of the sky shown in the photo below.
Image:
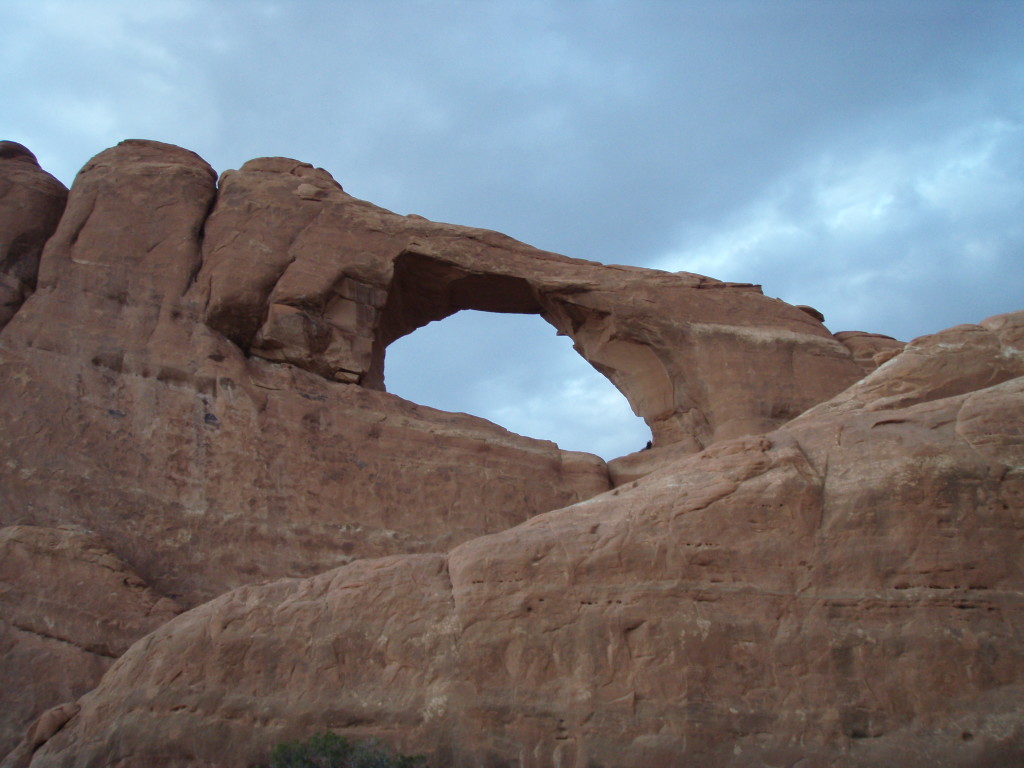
(865, 157)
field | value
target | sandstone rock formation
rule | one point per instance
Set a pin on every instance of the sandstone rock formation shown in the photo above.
(31, 202)
(200, 468)
(295, 270)
(845, 590)
(68, 608)
(198, 377)
(205, 468)
(196, 387)
(869, 350)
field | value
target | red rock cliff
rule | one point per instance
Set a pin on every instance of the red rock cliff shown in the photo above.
(195, 389)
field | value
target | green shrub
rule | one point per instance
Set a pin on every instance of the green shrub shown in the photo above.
(328, 750)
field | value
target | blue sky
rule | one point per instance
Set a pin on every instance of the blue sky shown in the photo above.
(864, 157)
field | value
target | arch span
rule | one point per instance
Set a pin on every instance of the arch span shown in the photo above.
(426, 287)
(295, 270)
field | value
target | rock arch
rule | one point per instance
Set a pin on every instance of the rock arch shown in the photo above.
(426, 287)
(296, 270)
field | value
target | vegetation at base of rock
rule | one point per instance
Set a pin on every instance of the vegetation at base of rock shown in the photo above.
(328, 750)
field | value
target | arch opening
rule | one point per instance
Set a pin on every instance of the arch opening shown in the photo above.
(513, 370)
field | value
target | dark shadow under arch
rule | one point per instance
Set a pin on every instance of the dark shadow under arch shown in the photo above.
(424, 289)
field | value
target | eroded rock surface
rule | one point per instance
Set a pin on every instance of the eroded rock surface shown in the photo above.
(870, 350)
(198, 376)
(296, 270)
(68, 608)
(951, 362)
(198, 467)
(198, 381)
(194, 373)
(205, 468)
(31, 203)
(845, 590)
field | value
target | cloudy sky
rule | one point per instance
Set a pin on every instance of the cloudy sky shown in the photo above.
(865, 157)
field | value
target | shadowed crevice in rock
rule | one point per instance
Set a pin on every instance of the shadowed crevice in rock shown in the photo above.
(101, 651)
